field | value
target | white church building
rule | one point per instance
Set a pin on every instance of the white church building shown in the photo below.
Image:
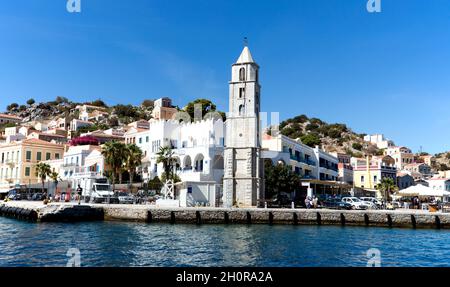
(197, 147)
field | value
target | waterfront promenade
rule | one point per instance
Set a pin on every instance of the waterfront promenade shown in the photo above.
(60, 212)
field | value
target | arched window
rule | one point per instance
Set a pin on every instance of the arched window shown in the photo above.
(241, 110)
(187, 163)
(199, 163)
(242, 74)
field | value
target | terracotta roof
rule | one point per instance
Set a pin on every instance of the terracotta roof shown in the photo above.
(53, 135)
(38, 141)
(102, 134)
(9, 117)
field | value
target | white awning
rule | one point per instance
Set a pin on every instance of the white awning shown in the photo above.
(421, 190)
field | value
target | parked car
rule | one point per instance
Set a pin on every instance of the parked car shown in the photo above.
(378, 204)
(38, 196)
(282, 200)
(17, 196)
(125, 198)
(336, 203)
(356, 203)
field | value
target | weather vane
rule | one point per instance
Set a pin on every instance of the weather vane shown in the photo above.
(245, 41)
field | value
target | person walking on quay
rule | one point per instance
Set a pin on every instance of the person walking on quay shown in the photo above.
(315, 201)
(79, 192)
(307, 202)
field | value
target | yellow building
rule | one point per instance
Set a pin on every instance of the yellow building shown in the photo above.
(367, 173)
(18, 161)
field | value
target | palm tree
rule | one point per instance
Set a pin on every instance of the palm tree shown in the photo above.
(386, 187)
(133, 160)
(165, 156)
(42, 171)
(114, 154)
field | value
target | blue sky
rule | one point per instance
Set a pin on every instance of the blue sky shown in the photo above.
(386, 72)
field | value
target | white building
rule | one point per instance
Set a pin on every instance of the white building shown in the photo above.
(402, 156)
(421, 168)
(316, 168)
(197, 147)
(439, 184)
(9, 119)
(345, 169)
(163, 109)
(13, 134)
(77, 124)
(74, 160)
(379, 140)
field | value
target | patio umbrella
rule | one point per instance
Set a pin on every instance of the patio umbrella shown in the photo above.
(434, 192)
(414, 190)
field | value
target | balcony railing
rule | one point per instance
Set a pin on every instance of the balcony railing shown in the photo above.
(308, 161)
(330, 167)
(70, 165)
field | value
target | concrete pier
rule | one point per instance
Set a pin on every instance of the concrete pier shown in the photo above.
(36, 211)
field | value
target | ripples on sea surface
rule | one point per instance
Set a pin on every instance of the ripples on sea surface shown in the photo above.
(140, 244)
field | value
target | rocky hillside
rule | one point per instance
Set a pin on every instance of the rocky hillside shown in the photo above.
(442, 161)
(330, 137)
(62, 107)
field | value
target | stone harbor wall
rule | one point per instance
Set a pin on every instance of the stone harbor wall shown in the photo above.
(57, 212)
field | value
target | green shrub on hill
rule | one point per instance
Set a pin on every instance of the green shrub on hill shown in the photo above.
(311, 139)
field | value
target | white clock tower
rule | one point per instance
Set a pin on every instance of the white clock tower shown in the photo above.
(243, 179)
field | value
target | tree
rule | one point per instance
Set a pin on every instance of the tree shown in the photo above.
(165, 156)
(174, 177)
(311, 140)
(12, 107)
(30, 101)
(301, 119)
(443, 167)
(386, 187)
(357, 146)
(279, 178)
(316, 121)
(147, 103)
(125, 111)
(206, 107)
(98, 103)
(42, 171)
(312, 127)
(133, 160)
(155, 184)
(60, 100)
(114, 154)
